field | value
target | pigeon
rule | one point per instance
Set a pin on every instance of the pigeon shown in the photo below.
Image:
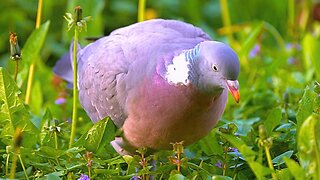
(160, 81)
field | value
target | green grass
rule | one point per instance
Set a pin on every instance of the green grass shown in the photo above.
(272, 133)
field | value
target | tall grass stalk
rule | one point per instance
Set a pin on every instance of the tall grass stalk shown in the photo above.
(141, 10)
(226, 19)
(32, 66)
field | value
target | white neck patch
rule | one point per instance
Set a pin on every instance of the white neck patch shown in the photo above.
(178, 71)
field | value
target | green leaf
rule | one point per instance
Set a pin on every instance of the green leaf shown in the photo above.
(54, 176)
(283, 173)
(309, 145)
(294, 168)
(245, 150)
(273, 120)
(305, 107)
(13, 113)
(252, 39)
(279, 159)
(99, 135)
(177, 177)
(34, 43)
(49, 152)
(310, 47)
(37, 98)
(218, 177)
(245, 125)
(209, 144)
(249, 155)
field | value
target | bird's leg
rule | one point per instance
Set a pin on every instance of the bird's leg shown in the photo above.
(178, 149)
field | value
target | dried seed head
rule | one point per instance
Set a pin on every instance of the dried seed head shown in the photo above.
(78, 13)
(15, 52)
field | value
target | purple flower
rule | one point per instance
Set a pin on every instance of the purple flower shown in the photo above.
(291, 61)
(290, 46)
(234, 150)
(219, 164)
(84, 177)
(60, 101)
(255, 51)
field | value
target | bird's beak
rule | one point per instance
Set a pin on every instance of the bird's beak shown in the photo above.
(233, 86)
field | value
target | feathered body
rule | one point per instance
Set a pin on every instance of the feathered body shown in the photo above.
(155, 80)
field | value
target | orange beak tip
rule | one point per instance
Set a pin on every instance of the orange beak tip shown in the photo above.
(233, 86)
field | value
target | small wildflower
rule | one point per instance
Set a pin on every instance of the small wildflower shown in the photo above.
(77, 20)
(84, 177)
(291, 61)
(255, 51)
(293, 46)
(60, 101)
(233, 149)
(219, 164)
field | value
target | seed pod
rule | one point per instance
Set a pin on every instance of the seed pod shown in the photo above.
(78, 13)
(15, 52)
(262, 132)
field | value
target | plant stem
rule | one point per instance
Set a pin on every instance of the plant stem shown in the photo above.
(32, 66)
(224, 166)
(89, 172)
(267, 150)
(56, 139)
(75, 91)
(141, 10)
(29, 84)
(7, 163)
(13, 166)
(179, 164)
(16, 71)
(226, 19)
(23, 167)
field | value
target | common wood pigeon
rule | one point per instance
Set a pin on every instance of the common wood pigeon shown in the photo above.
(160, 81)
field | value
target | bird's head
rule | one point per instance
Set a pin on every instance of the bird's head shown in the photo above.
(218, 68)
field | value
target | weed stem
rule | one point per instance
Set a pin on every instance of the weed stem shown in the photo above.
(226, 19)
(16, 71)
(267, 151)
(141, 10)
(75, 91)
(13, 166)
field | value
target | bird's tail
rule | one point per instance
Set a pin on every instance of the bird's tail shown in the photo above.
(64, 66)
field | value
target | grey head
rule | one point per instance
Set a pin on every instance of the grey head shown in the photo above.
(214, 66)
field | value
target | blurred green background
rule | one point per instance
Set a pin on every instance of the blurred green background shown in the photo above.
(278, 42)
(19, 16)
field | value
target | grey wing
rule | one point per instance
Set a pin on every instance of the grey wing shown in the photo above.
(103, 67)
(172, 28)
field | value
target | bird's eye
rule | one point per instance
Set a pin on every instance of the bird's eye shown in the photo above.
(215, 68)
